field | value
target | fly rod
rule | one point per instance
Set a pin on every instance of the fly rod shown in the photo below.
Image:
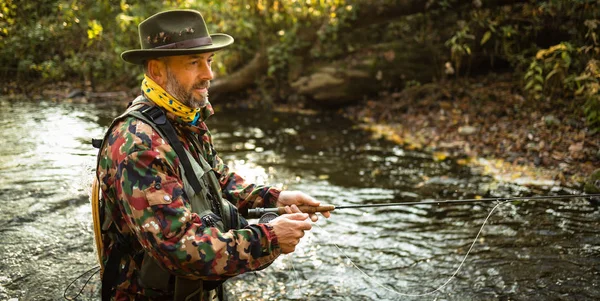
(257, 212)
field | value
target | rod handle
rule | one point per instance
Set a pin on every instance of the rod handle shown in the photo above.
(309, 209)
(258, 212)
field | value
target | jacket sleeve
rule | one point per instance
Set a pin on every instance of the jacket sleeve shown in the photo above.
(244, 195)
(150, 195)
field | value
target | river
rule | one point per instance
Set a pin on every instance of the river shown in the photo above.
(530, 250)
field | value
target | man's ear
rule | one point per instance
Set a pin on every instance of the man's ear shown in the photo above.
(157, 71)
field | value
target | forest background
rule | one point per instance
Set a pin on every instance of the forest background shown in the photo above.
(511, 87)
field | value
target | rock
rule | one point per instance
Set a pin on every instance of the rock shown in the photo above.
(592, 184)
(365, 73)
(551, 121)
(467, 130)
(329, 85)
(76, 93)
(317, 81)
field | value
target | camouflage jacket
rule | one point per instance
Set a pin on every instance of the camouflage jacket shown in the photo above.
(134, 161)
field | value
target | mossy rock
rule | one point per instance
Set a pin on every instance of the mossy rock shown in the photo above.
(592, 184)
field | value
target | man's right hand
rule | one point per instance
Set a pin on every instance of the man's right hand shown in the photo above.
(289, 228)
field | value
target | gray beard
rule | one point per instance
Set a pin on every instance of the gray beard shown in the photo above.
(176, 90)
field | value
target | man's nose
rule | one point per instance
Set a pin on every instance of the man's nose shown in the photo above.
(206, 71)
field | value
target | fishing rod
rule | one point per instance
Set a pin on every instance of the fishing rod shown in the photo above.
(258, 212)
(268, 214)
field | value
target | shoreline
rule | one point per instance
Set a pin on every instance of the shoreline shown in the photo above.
(484, 124)
(479, 122)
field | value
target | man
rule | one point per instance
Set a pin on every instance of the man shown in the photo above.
(169, 206)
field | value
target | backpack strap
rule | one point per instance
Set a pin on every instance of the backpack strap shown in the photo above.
(158, 117)
(111, 269)
(109, 272)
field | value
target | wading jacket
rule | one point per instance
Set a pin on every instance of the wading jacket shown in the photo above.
(147, 201)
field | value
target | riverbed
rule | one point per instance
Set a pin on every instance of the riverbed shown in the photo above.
(528, 250)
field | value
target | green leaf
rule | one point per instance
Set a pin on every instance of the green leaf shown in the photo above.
(486, 36)
(551, 74)
(539, 78)
(567, 58)
(529, 74)
(529, 84)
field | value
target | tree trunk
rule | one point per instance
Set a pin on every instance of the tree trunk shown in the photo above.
(242, 78)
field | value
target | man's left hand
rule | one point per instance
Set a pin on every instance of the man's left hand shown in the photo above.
(298, 198)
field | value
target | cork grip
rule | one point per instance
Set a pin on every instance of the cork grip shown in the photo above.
(309, 209)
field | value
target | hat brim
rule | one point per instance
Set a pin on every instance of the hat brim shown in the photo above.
(138, 56)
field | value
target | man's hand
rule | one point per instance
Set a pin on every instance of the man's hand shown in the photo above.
(298, 198)
(289, 228)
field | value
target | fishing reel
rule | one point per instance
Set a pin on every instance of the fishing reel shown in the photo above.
(267, 217)
(269, 214)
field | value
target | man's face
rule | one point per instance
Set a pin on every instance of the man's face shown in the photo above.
(188, 78)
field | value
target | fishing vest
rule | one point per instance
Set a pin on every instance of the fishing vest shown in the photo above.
(203, 190)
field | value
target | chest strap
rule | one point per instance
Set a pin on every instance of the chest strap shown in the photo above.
(156, 115)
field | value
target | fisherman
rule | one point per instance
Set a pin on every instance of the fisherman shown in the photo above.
(168, 205)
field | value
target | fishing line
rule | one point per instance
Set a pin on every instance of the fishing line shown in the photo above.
(441, 286)
(295, 272)
(95, 270)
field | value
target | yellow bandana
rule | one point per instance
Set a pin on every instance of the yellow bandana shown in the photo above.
(164, 100)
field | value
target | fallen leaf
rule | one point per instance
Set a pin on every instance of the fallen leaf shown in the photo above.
(576, 150)
(440, 156)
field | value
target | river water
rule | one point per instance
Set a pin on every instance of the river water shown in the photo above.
(542, 250)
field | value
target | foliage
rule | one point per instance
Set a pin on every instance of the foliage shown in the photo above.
(459, 44)
(534, 80)
(56, 40)
(588, 88)
(552, 45)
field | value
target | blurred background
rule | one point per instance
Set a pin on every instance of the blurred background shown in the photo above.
(353, 102)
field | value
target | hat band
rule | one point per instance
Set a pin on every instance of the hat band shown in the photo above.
(187, 44)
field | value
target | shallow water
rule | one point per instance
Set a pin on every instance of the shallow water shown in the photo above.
(542, 250)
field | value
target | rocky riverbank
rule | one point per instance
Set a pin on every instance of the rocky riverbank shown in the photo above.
(487, 124)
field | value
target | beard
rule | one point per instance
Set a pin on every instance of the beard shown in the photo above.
(186, 96)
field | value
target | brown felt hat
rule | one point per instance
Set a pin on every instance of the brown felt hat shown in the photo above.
(175, 32)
